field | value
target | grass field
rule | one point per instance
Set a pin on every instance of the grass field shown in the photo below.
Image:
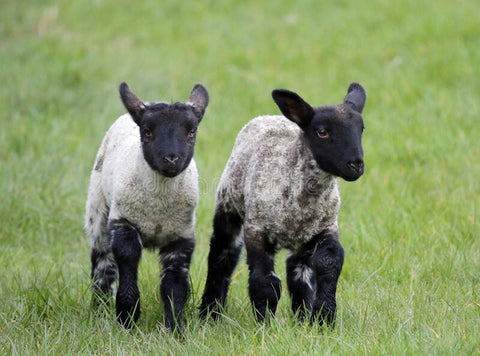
(410, 226)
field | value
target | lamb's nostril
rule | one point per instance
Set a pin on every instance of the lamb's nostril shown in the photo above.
(170, 159)
(356, 165)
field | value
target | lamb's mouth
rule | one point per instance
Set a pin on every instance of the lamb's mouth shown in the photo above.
(170, 173)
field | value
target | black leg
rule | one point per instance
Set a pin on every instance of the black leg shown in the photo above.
(127, 249)
(300, 282)
(175, 283)
(104, 274)
(263, 284)
(327, 263)
(225, 248)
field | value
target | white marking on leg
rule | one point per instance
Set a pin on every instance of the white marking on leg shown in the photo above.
(173, 256)
(103, 267)
(303, 273)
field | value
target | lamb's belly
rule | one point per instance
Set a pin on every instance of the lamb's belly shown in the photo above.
(291, 233)
(289, 224)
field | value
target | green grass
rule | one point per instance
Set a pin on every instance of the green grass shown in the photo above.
(410, 226)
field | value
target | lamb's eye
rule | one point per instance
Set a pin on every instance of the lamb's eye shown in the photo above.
(322, 133)
(147, 132)
(192, 133)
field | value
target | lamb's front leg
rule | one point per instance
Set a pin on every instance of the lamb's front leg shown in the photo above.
(127, 249)
(264, 286)
(300, 283)
(327, 261)
(175, 282)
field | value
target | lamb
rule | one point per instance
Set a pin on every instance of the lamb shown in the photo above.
(143, 193)
(279, 190)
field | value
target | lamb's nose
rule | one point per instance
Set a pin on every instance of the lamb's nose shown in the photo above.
(170, 159)
(356, 165)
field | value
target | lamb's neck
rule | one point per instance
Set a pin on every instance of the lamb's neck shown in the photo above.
(314, 176)
(155, 182)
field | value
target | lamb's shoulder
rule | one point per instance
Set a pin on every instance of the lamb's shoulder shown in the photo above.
(118, 156)
(265, 131)
(123, 129)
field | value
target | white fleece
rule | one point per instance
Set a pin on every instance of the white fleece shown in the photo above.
(273, 182)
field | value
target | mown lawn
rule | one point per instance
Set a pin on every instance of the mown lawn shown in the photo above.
(410, 226)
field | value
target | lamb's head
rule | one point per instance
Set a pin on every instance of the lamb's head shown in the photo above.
(333, 133)
(167, 131)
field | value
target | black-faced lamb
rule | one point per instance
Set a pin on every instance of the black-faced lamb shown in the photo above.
(143, 193)
(279, 190)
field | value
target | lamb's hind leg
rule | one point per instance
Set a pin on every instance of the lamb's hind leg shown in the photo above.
(104, 268)
(225, 248)
(327, 262)
(104, 274)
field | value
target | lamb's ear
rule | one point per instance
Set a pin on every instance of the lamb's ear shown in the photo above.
(199, 100)
(355, 97)
(293, 107)
(132, 103)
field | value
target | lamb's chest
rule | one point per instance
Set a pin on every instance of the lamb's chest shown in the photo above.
(160, 212)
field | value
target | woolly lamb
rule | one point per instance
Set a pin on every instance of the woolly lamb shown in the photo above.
(143, 193)
(279, 188)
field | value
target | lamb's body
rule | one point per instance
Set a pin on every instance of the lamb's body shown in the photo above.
(124, 186)
(280, 187)
(143, 193)
(273, 182)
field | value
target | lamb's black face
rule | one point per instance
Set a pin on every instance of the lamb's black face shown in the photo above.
(167, 131)
(334, 133)
(335, 138)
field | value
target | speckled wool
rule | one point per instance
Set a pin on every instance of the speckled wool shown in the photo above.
(273, 182)
(123, 185)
